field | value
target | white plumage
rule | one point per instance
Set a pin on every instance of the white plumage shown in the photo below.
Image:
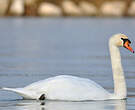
(71, 88)
(64, 87)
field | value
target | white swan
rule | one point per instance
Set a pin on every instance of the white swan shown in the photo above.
(73, 88)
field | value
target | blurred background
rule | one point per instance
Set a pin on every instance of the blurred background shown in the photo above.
(115, 8)
(45, 38)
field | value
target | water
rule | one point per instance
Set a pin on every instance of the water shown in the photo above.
(33, 49)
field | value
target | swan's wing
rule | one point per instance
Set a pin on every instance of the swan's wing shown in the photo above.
(69, 88)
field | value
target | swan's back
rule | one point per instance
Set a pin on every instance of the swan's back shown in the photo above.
(66, 87)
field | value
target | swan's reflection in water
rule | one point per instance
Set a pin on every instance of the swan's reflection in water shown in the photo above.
(63, 105)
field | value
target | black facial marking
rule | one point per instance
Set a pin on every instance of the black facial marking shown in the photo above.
(124, 40)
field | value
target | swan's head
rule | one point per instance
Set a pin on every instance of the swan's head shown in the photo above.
(121, 40)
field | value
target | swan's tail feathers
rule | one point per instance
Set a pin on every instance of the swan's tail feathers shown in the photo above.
(20, 91)
(7, 89)
(17, 90)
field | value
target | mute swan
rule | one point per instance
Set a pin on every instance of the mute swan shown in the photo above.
(71, 88)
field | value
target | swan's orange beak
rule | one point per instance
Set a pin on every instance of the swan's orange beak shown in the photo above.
(127, 46)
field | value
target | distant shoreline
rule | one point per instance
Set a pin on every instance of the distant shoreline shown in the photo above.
(64, 8)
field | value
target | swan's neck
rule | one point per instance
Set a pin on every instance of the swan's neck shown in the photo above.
(118, 74)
